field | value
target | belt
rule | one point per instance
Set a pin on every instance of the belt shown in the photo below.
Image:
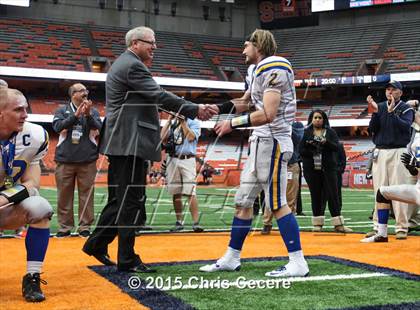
(184, 156)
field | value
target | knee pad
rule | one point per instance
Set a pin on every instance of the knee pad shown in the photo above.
(380, 198)
(38, 209)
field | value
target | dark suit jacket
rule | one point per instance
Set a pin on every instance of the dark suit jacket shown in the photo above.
(132, 125)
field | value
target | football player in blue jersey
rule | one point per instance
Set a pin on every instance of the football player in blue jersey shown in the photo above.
(22, 146)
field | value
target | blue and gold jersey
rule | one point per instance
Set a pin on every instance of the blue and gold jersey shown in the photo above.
(275, 74)
(31, 147)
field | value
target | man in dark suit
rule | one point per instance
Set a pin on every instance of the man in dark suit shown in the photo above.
(130, 136)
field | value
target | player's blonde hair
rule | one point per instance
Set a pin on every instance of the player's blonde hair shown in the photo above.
(264, 41)
(7, 94)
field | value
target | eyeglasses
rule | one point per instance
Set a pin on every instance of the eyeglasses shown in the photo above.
(83, 90)
(148, 42)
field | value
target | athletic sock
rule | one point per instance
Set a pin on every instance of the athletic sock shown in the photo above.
(383, 215)
(232, 253)
(296, 256)
(240, 229)
(289, 231)
(36, 243)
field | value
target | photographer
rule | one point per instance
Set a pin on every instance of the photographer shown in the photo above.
(179, 138)
(318, 150)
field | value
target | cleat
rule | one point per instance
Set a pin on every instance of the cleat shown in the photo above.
(375, 238)
(31, 289)
(63, 234)
(84, 233)
(266, 230)
(371, 233)
(290, 270)
(197, 228)
(223, 264)
(178, 227)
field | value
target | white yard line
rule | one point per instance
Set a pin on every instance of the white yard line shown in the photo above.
(242, 282)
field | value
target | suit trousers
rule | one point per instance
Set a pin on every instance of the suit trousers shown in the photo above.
(66, 175)
(124, 210)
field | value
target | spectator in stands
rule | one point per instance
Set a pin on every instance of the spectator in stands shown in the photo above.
(78, 124)
(390, 126)
(318, 150)
(131, 136)
(293, 173)
(180, 137)
(3, 83)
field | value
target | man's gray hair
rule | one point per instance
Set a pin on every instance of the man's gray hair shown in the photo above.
(137, 33)
(3, 83)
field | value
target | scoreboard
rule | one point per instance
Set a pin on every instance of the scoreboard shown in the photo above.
(344, 80)
(332, 5)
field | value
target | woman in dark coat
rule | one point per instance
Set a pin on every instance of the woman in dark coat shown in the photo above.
(318, 150)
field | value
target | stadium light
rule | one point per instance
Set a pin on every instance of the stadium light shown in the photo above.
(102, 4)
(222, 10)
(120, 5)
(156, 5)
(206, 10)
(173, 9)
(24, 3)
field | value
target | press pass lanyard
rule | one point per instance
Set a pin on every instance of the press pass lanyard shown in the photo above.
(7, 156)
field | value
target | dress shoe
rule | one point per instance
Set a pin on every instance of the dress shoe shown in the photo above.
(138, 268)
(84, 233)
(104, 259)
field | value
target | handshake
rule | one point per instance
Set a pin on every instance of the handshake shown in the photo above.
(207, 111)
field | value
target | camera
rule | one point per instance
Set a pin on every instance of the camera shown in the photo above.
(169, 147)
(318, 139)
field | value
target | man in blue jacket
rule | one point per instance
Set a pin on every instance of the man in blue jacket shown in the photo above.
(391, 129)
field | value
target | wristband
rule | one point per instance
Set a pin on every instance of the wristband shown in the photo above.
(226, 107)
(241, 121)
(15, 194)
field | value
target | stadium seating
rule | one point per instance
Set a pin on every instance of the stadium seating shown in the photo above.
(40, 44)
(314, 51)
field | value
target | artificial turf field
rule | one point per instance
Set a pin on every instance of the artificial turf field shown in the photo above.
(336, 284)
(343, 272)
(216, 209)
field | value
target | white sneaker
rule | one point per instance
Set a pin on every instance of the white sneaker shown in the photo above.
(375, 238)
(223, 264)
(291, 269)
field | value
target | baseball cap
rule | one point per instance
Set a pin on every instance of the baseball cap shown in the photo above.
(395, 84)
